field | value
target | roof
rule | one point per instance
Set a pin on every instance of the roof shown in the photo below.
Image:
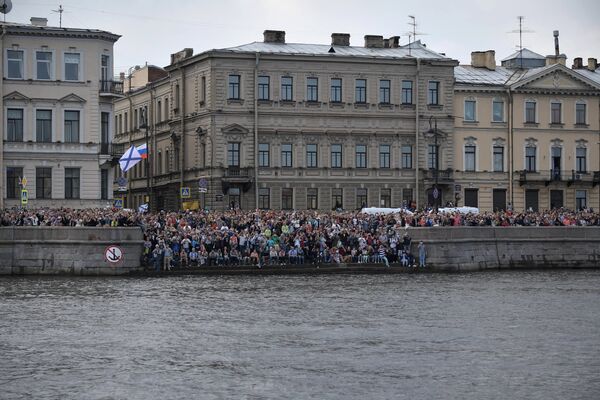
(413, 50)
(526, 54)
(482, 76)
(35, 30)
(592, 75)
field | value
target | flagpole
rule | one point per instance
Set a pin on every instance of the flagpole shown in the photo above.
(147, 161)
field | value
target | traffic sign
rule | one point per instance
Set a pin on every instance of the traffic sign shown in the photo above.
(203, 190)
(122, 181)
(118, 202)
(23, 182)
(24, 196)
(202, 183)
(113, 254)
(436, 193)
(185, 192)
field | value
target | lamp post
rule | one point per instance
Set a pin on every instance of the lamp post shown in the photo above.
(147, 159)
(436, 192)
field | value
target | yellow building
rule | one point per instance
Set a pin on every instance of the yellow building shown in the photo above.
(527, 137)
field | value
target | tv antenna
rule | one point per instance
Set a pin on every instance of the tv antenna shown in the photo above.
(59, 11)
(413, 34)
(5, 7)
(521, 31)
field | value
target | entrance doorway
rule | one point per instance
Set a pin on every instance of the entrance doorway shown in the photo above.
(234, 198)
(471, 196)
(499, 199)
(556, 199)
(556, 153)
(532, 199)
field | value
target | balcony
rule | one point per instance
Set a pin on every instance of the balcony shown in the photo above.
(445, 176)
(237, 173)
(570, 177)
(111, 88)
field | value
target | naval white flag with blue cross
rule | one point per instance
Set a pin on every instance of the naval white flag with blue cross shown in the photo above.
(129, 159)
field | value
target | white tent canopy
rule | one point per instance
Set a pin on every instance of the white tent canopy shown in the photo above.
(381, 210)
(462, 210)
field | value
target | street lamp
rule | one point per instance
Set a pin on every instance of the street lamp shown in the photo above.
(144, 126)
(436, 191)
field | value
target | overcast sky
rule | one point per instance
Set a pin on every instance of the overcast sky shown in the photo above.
(153, 29)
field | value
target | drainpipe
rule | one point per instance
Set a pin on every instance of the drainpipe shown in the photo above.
(256, 131)
(151, 149)
(511, 193)
(2, 118)
(418, 193)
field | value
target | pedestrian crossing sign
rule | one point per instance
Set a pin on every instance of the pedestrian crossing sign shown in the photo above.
(24, 196)
(118, 203)
(185, 192)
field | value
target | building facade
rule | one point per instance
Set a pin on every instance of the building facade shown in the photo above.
(527, 137)
(57, 115)
(295, 126)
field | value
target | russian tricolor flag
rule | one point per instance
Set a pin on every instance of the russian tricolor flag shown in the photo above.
(143, 150)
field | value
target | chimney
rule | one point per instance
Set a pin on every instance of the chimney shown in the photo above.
(577, 63)
(592, 64)
(38, 21)
(122, 76)
(374, 41)
(559, 59)
(340, 39)
(274, 36)
(484, 59)
(394, 42)
(556, 49)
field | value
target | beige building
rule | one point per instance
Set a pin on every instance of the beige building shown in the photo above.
(293, 126)
(57, 94)
(527, 137)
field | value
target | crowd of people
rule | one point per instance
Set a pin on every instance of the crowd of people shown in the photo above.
(191, 239)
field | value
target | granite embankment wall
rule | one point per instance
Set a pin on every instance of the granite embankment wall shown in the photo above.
(480, 248)
(68, 250)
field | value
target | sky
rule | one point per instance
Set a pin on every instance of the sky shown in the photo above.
(153, 29)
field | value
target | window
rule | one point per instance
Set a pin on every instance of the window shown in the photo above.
(580, 114)
(287, 88)
(233, 154)
(384, 156)
(263, 154)
(158, 111)
(43, 183)
(71, 183)
(233, 91)
(361, 156)
(43, 65)
(433, 93)
(104, 118)
(337, 198)
(580, 199)
(555, 113)
(311, 156)
(498, 159)
(264, 198)
(287, 198)
(14, 124)
(312, 198)
(135, 119)
(384, 91)
(336, 156)
(407, 92)
(469, 158)
(386, 198)
(471, 197)
(72, 126)
(470, 110)
(203, 90)
(361, 197)
(407, 197)
(176, 99)
(72, 66)
(13, 187)
(286, 155)
(167, 115)
(406, 156)
(431, 156)
(264, 83)
(530, 155)
(159, 163)
(580, 158)
(167, 161)
(103, 184)
(126, 122)
(14, 59)
(497, 111)
(361, 91)
(336, 90)
(312, 89)
(530, 116)
(44, 126)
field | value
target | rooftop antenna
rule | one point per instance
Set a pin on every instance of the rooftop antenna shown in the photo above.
(413, 34)
(521, 31)
(5, 7)
(59, 11)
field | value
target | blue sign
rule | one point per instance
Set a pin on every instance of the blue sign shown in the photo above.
(185, 192)
(118, 203)
(202, 183)
(122, 181)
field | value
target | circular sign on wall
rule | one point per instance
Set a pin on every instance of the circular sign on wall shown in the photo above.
(436, 193)
(113, 254)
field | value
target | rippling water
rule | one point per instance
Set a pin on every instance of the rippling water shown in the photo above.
(492, 335)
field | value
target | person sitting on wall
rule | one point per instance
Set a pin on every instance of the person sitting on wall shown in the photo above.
(404, 259)
(193, 257)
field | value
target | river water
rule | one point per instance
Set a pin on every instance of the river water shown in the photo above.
(489, 335)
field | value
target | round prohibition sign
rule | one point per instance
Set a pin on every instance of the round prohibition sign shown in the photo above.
(113, 254)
